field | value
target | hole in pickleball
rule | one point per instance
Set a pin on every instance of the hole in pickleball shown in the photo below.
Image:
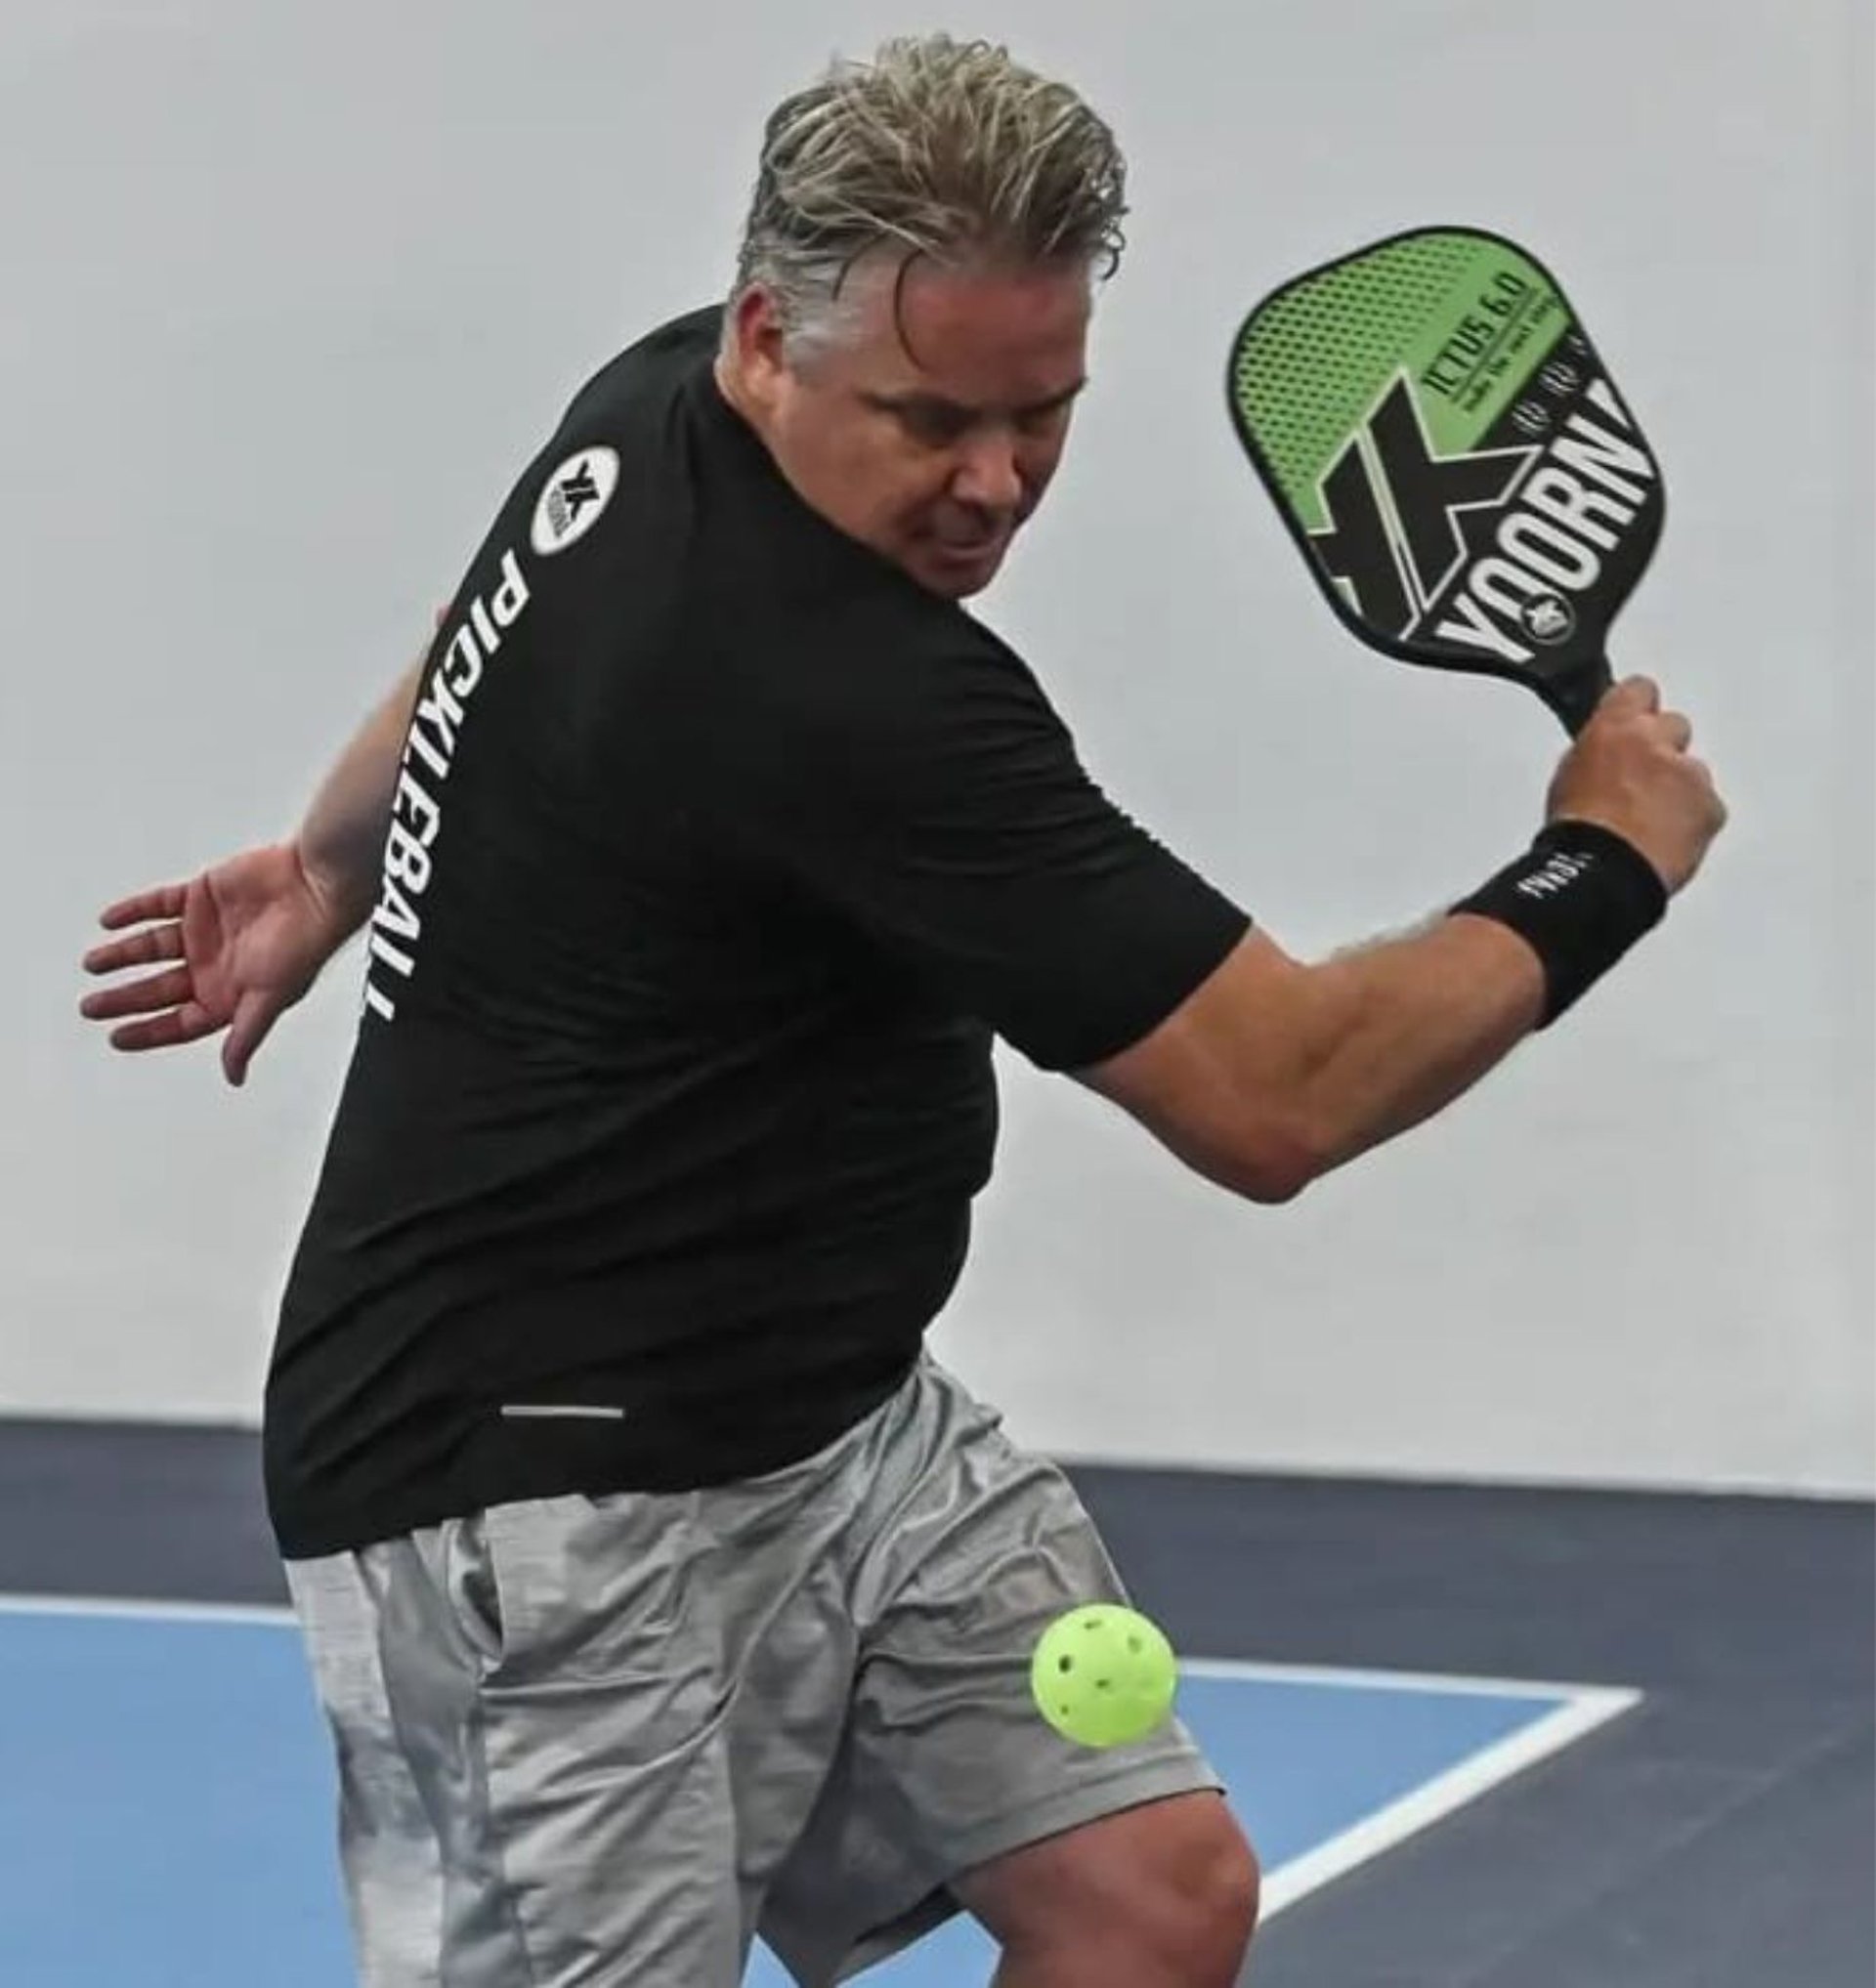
(1104, 1684)
(1065, 1663)
(1133, 1644)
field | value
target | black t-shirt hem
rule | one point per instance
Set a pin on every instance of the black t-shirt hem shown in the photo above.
(572, 1458)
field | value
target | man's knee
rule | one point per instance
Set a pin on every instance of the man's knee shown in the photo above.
(1159, 1896)
(1186, 1916)
(1205, 1912)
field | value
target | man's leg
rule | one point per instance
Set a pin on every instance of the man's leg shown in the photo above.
(1093, 1867)
(388, 1848)
(554, 1772)
(1159, 1896)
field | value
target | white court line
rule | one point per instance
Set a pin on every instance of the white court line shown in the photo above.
(1360, 1679)
(1585, 1708)
(1439, 1798)
(147, 1611)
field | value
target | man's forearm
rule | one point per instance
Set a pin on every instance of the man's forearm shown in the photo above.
(1403, 1027)
(341, 839)
(1270, 1072)
(1274, 1072)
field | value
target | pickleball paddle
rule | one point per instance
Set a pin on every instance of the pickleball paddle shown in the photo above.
(1462, 477)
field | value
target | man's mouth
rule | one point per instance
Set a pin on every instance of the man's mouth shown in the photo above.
(970, 544)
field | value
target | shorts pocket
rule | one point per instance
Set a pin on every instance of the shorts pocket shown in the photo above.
(475, 1591)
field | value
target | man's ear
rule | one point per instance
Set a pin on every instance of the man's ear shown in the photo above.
(757, 343)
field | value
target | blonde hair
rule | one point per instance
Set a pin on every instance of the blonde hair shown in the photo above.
(945, 149)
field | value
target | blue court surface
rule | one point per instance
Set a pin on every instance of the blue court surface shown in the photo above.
(166, 1796)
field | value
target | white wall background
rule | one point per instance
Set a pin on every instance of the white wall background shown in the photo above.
(291, 291)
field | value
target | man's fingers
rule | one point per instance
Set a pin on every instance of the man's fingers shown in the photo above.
(187, 1024)
(254, 1015)
(1703, 772)
(141, 949)
(1634, 694)
(138, 997)
(1676, 729)
(163, 900)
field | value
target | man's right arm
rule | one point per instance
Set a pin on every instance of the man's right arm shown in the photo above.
(1271, 1072)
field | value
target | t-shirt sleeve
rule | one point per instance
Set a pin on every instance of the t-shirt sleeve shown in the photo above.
(937, 801)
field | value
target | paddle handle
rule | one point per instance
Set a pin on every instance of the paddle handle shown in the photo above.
(1574, 696)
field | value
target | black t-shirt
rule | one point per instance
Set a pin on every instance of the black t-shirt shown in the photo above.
(720, 851)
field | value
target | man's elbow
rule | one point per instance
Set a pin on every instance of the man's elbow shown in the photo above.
(1274, 1162)
(1273, 1190)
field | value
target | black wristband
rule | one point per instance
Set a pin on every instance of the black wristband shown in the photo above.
(1580, 897)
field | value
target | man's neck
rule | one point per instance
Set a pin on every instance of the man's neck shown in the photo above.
(728, 383)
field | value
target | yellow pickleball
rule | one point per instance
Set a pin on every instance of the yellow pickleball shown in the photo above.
(1104, 1675)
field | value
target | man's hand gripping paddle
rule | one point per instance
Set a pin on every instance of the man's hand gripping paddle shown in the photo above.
(1447, 445)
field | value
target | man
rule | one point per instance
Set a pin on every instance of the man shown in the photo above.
(659, 1589)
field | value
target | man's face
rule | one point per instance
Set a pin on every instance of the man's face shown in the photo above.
(926, 426)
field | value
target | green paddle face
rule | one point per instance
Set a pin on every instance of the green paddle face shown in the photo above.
(1452, 457)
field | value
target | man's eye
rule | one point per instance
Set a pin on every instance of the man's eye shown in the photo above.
(934, 426)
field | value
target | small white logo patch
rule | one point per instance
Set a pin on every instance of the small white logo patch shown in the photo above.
(1549, 618)
(577, 493)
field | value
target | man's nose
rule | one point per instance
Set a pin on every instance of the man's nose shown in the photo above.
(987, 473)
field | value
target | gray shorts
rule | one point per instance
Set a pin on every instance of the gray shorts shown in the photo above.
(607, 1741)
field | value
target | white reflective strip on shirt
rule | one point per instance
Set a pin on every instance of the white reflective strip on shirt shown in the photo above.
(517, 1410)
